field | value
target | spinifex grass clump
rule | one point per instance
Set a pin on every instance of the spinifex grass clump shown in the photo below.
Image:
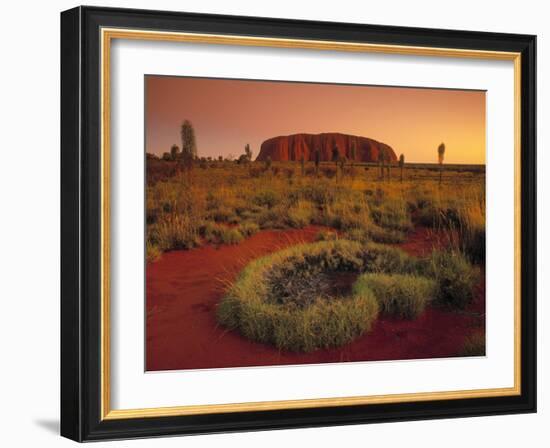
(290, 299)
(392, 214)
(455, 277)
(474, 345)
(173, 231)
(399, 295)
(458, 216)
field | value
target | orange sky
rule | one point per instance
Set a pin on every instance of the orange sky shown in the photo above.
(227, 114)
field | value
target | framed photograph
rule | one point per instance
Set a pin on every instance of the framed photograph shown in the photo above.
(274, 223)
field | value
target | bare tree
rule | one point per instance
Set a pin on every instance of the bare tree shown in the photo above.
(188, 144)
(440, 157)
(336, 158)
(342, 161)
(381, 157)
(353, 157)
(388, 163)
(248, 152)
(317, 161)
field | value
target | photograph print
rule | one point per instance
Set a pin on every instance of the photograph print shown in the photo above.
(294, 223)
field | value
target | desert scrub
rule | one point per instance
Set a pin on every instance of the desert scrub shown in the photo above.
(273, 218)
(231, 235)
(455, 277)
(404, 296)
(375, 234)
(348, 213)
(300, 214)
(267, 198)
(387, 236)
(474, 345)
(152, 252)
(222, 234)
(289, 299)
(392, 214)
(326, 235)
(174, 232)
(382, 258)
(472, 231)
(249, 228)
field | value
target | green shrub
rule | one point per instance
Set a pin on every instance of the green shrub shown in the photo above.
(473, 243)
(474, 345)
(231, 235)
(319, 192)
(267, 198)
(404, 296)
(382, 258)
(210, 231)
(249, 228)
(375, 234)
(386, 236)
(300, 214)
(392, 214)
(273, 218)
(455, 276)
(326, 235)
(174, 232)
(152, 252)
(222, 234)
(356, 234)
(347, 214)
(472, 231)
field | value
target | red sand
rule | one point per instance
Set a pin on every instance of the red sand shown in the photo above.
(183, 288)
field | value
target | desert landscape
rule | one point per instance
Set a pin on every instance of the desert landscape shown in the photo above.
(311, 247)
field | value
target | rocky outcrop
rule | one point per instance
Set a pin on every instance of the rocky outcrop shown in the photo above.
(292, 147)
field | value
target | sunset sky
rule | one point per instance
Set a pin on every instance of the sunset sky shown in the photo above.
(227, 114)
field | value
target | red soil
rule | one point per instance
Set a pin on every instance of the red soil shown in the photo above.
(184, 287)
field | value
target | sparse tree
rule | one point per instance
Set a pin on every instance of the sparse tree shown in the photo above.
(335, 155)
(166, 156)
(188, 144)
(381, 162)
(317, 161)
(268, 162)
(440, 157)
(174, 152)
(220, 158)
(342, 162)
(303, 164)
(353, 157)
(336, 158)
(248, 152)
(401, 164)
(384, 162)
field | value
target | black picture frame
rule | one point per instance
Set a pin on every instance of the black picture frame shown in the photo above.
(81, 226)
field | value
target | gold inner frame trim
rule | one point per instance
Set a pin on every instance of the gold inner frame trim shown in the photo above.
(107, 35)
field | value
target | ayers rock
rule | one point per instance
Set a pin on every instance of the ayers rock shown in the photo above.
(292, 147)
